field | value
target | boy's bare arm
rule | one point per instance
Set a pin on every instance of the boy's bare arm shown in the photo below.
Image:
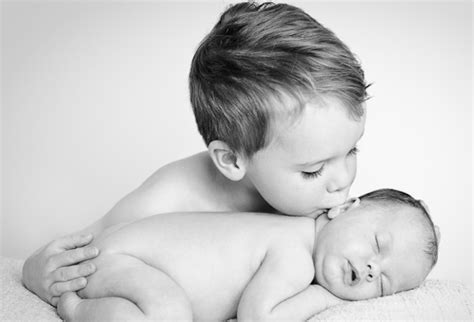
(57, 267)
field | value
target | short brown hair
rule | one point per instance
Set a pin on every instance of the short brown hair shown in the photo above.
(257, 55)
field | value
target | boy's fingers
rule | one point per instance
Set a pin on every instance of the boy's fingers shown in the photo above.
(73, 241)
(64, 274)
(74, 256)
(71, 286)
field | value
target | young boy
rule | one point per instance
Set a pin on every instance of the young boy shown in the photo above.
(279, 101)
(211, 267)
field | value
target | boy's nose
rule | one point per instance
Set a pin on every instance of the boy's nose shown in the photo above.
(372, 272)
(342, 179)
(340, 187)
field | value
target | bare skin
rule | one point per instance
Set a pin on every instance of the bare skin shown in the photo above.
(298, 173)
(253, 266)
(203, 267)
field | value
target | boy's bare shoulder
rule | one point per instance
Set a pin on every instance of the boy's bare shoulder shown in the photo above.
(175, 187)
(180, 184)
(185, 171)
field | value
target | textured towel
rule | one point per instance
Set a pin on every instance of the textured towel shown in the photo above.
(17, 303)
(434, 300)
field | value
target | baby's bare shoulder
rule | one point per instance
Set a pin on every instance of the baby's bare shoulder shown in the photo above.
(292, 260)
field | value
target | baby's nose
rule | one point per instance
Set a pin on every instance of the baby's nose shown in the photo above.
(373, 272)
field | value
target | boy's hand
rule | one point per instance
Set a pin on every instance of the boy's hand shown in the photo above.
(56, 268)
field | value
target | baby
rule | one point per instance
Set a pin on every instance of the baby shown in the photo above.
(206, 266)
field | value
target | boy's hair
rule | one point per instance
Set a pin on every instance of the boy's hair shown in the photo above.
(395, 197)
(255, 60)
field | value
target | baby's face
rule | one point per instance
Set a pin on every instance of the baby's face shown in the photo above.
(369, 252)
(311, 164)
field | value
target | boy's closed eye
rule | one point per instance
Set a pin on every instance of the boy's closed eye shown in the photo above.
(317, 173)
(314, 174)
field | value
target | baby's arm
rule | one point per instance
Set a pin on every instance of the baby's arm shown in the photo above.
(126, 288)
(281, 290)
(312, 300)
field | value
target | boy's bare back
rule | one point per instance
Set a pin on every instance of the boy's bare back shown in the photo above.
(211, 256)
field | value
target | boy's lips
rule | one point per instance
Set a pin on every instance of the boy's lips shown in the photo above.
(317, 213)
(320, 211)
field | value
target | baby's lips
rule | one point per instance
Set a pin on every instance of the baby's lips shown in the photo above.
(347, 274)
(357, 276)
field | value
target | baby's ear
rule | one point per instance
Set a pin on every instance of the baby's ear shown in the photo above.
(228, 162)
(348, 205)
(437, 233)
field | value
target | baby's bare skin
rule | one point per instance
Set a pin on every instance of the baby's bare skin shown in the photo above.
(217, 266)
(211, 256)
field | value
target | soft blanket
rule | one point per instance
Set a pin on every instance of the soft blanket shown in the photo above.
(434, 300)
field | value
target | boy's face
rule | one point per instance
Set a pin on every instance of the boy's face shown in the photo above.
(310, 164)
(368, 252)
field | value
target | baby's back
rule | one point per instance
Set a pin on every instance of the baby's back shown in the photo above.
(212, 256)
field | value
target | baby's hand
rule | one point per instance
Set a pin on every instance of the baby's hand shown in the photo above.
(329, 299)
(48, 272)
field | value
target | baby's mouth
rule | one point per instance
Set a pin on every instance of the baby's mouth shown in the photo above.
(353, 276)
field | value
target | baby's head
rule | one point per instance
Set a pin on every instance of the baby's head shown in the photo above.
(384, 245)
(255, 81)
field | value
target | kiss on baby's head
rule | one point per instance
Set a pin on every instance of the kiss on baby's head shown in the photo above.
(271, 90)
(387, 244)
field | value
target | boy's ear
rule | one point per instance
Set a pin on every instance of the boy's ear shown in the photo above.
(229, 163)
(348, 205)
(437, 233)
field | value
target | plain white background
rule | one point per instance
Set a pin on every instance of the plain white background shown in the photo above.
(95, 99)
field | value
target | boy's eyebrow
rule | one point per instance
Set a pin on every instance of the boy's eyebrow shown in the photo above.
(312, 163)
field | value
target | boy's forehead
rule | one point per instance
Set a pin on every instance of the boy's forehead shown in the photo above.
(306, 138)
